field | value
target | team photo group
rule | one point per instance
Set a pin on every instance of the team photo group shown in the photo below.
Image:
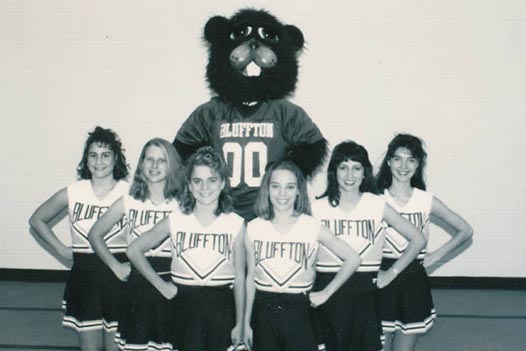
(214, 243)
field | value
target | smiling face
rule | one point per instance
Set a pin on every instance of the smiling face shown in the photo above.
(206, 185)
(402, 165)
(100, 161)
(283, 190)
(349, 176)
(155, 164)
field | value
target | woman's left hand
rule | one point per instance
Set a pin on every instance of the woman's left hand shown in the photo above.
(430, 259)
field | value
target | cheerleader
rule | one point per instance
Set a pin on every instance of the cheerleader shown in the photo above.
(350, 208)
(144, 321)
(207, 259)
(406, 305)
(282, 245)
(91, 297)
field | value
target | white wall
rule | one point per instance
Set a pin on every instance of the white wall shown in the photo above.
(451, 72)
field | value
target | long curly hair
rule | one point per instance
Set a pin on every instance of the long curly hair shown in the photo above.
(110, 139)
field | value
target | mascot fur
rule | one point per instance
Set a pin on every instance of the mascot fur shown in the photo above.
(252, 68)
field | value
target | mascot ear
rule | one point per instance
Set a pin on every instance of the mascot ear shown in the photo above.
(216, 29)
(296, 36)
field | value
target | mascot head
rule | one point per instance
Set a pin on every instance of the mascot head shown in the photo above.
(252, 56)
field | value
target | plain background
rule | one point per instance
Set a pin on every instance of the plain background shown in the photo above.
(452, 72)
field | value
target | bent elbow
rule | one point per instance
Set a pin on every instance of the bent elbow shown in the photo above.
(91, 237)
(468, 233)
(130, 253)
(32, 222)
(421, 242)
(93, 240)
(358, 259)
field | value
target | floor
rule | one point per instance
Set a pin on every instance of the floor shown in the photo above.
(468, 319)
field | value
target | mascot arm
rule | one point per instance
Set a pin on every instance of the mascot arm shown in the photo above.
(307, 146)
(194, 133)
(185, 150)
(309, 156)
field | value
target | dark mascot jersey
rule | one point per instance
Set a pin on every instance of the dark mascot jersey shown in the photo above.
(248, 143)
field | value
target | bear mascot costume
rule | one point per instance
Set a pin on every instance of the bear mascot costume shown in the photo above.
(253, 68)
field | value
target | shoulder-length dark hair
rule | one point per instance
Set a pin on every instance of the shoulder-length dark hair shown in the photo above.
(110, 139)
(384, 178)
(263, 207)
(173, 185)
(207, 156)
(344, 151)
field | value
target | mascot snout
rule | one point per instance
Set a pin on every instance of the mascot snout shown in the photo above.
(252, 53)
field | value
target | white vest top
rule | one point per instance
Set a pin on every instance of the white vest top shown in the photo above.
(284, 263)
(361, 228)
(201, 255)
(142, 216)
(416, 211)
(85, 208)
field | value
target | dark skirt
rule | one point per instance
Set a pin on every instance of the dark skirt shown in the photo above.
(350, 319)
(146, 319)
(92, 294)
(204, 317)
(406, 304)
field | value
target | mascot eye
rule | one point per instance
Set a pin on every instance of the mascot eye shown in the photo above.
(268, 34)
(240, 33)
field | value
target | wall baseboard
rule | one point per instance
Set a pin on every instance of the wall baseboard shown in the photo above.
(44, 275)
(478, 283)
(33, 275)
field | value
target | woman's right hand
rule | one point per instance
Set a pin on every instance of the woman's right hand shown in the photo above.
(247, 337)
(122, 271)
(385, 278)
(168, 290)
